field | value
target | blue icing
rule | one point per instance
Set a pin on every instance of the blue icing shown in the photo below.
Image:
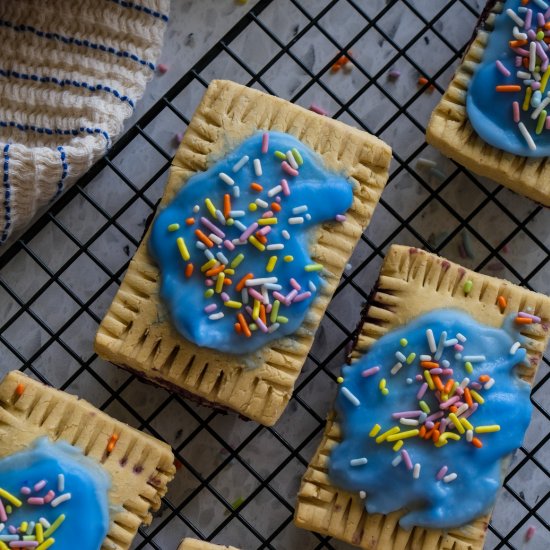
(325, 193)
(86, 520)
(489, 111)
(428, 502)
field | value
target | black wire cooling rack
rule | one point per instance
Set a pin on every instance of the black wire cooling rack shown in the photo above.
(237, 481)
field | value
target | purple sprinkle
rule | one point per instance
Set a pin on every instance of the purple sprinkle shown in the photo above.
(340, 218)
(179, 137)
(429, 424)
(210, 307)
(291, 295)
(436, 371)
(295, 284)
(529, 316)
(422, 390)
(12, 529)
(528, 19)
(470, 411)
(419, 378)
(500, 66)
(303, 296)
(518, 61)
(25, 491)
(476, 385)
(447, 372)
(260, 324)
(540, 19)
(265, 230)
(449, 402)
(369, 372)
(532, 34)
(394, 74)
(435, 416)
(255, 294)
(406, 414)
(406, 459)
(247, 232)
(278, 296)
(225, 297)
(441, 473)
(208, 224)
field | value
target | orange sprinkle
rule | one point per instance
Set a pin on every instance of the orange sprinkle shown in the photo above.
(422, 431)
(19, 389)
(453, 408)
(256, 187)
(422, 81)
(547, 25)
(435, 435)
(508, 88)
(189, 270)
(240, 284)
(523, 320)
(215, 270)
(448, 386)
(227, 282)
(276, 206)
(429, 434)
(484, 378)
(238, 327)
(336, 67)
(204, 238)
(468, 397)
(438, 383)
(226, 205)
(429, 364)
(517, 43)
(244, 325)
(261, 238)
(502, 303)
(525, 62)
(190, 221)
(112, 443)
(262, 314)
(477, 443)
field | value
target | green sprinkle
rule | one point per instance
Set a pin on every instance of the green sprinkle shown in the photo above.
(411, 357)
(173, 227)
(280, 155)
(313, 267)
(297, 156)
(238, 259)
(468, 285)
(209, 293)
(237, 503)
(403, 342)
(253, 327)
(274, 311)
(469, 368)
(385, 391)
(230, 221)
(282, 320)
(540, 35)
(424, 406)
(382, 383)
(540, 122)
(339, 380)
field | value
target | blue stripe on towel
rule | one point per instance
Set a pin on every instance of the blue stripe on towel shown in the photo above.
(64, 172)
(67, 82)
(7, 194)
(144, 9)
(76, 42)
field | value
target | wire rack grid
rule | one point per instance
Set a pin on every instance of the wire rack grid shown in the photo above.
(237, 481)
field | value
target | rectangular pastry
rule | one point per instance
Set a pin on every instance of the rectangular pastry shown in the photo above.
(194, 544)
(494, 117)
(422, 412)
(71, 476)
(257, 185)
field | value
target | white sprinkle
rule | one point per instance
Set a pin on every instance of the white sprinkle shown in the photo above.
(273, 327)
(464, 383)
(226, 179)
(358, 461)
(461, 337)
(431, 340)
(396, 368)
(237, 213)
(216, 316)
(416, 471)
(60, 483)
(312, 287)
(362, 495)
(474, 358)
(220, 217)
(489, 384)
(240, 226)
(440, 345)
(241, 163)
(244, 296)
(45, 523)
(541, 4)
(458, 356)
(60, 499)
(274, 191)
(450, 477)
(308, 217)
(532, 56)
(350, 397)
(535, 114)
(209, 254)
(519, 35)
(515, 17)
(409, 380)
(425, 358)
(261, 203)
(514, 348)
(422, 418)
(265, 295)
(445, 364)
(196, 208)
(215, 238)
(296, 220)
(522, 74)
(469, 435)
(299, 209)
(260, 281)
(408, 421)
(400, 356)
(272, 286)
(236, 191)
(200, 245)
(257, 167)
(397, 460)
(285, 234)
(462, 409)
(276, 246)
(451, 342)
(425, 163)
(291, 160)
(222, 257)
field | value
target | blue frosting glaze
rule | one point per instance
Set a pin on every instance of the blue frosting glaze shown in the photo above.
(428, 502)
(325, 193)
(87, 512)
(489, 111)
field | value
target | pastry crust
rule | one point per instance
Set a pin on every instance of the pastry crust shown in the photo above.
(194, 544)
(140, 466)
(411, 283)
(137, 333)
(450, 131)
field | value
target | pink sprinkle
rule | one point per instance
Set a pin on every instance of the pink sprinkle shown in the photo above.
(210, 308)
(436, 371)
(528, 19)
(406, 414)
(529, 316)
(316, 109)
(295, 284)
(229, 245)
(422, 390)
(446, 372)
(475, 385)
(303, 296)
(23, 544)
(406, 459)
(521, 51)
(340, 218)
(459, 391)
(261, 324)
(248, 231)
(40, 485)
(3, 516)
(470, 411)
(278, 199)
(255, 294)
(162, 68)
(459, 347)
(369, 372)
(530, 533)
(291, 295)
(268, 308)
(50, 495)
(268, 214)
(265, 230)
(209, 282)
(265, 143)
(37, 501)
(548, 122)
(518, 61)
(443, 425)
(209, 225)
(441, 473)
(288, 169)
(224, 296)
(502, 68)
(278, 296)
(449, 402)
(429, 424)
(25, 491)
(286, 188)
(419, 378)
(435, 416)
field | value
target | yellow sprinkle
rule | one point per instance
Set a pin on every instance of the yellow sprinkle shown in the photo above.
(53, 527)
(424, 406)
(271, 264)
(211, 207)
(454, 419)
(208, 265)
(229, 271)
(487, 429)
(468, 366)
(403, 435)
(385, 391)
(233, 304)
(39, 532)
(411, 358)
(375, 429)
(313, 267)
(267, 221)
(340, 379)
(429, 379)
(219, 282)
(384, 436)
(468, 285)
(274, 311)
(45, 544)
(10, 498)
(281, 319)
(209, 293)
(444, 436)
(3, 546)
(382, 383)
(444, 396)
(173, 227)
(256, 309)
(477, 397)
(23, 527)
(230, 221)
(288, 258)
(183, 248)
(297, 156)
(527, 100)
(541, 121)
(255, 242)
(398, 445)
(403, 342)
(238, 259)
(453, 389)
(253, 207)
(544, 80)
(465, 422)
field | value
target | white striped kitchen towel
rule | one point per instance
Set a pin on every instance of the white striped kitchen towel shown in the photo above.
(71, 72)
